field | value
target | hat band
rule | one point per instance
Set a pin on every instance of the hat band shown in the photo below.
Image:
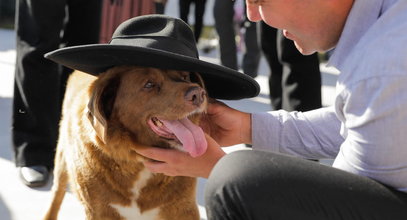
(162, 43)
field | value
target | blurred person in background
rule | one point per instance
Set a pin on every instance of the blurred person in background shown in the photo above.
(184, 9)
(224, 13)
(295, 79)
(43, 26)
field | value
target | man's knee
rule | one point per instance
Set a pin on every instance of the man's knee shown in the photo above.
(228, 171)
(223, 192)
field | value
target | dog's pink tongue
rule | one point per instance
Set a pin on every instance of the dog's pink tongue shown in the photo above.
(191, 136)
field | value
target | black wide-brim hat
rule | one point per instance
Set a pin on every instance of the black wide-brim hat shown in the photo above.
(157, 41)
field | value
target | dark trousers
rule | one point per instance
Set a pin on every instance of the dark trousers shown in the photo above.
(159, 7)
(43, 26)
(295, 79)
(223, 12)
(184, 6)
(256, 185)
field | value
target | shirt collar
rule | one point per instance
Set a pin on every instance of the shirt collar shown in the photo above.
(363, 15)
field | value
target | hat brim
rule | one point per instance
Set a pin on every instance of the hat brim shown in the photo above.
(221, 82)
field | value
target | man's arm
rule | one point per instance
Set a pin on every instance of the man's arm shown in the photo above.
(312, 134)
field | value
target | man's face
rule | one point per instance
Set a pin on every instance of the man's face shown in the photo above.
(313, 25)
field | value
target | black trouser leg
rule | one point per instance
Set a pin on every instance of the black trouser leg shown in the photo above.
(184, 7)
(295, 79)
(40, 83)
(83, 28)
(255, 185)
(268, 39)
(36, 91)
(301, 79)
(199, 14)
(223, 13)
(251, 57)
(159, 7)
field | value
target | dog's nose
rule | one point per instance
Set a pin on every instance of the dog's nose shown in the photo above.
(195, 95)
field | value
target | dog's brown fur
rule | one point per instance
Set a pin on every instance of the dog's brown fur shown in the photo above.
(104, 122)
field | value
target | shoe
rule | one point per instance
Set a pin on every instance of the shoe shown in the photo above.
(34, 176)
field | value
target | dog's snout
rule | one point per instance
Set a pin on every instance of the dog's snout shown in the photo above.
(195, 95)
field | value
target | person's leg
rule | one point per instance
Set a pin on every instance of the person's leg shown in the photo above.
(35, 104)
(199, 15)
(301, 79)
(268, 41)
(159, 7)
(184, 6)
(251, 57)
(256, 185)
(83, 27)
(223, 13)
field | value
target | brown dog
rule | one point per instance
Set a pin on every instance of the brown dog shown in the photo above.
(105, 119)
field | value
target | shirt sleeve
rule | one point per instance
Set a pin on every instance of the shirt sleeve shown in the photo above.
(312, 134)
(375, 144)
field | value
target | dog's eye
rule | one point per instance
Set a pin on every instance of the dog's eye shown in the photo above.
(149, 85)
(185, 77)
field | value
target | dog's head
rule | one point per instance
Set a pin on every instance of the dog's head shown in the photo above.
(153, 107)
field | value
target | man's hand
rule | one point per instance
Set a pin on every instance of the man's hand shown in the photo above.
(226, 125)
(173, 162)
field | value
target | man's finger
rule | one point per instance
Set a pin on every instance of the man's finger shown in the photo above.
(155, 153)
(155, 166)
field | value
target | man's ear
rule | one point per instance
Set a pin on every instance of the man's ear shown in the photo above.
(100, 106)
(196, 78)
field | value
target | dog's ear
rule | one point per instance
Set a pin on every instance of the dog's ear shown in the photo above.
(100, 106)
(196, 78)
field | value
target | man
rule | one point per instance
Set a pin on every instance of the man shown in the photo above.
(364, 131)
(43, 26)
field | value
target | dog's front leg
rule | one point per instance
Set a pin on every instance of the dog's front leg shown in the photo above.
(59, 185)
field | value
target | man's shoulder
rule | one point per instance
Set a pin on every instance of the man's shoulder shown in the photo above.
(382, 51)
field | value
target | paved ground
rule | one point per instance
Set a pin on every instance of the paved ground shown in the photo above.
(18, 202)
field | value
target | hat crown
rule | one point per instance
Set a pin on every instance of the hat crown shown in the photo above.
(160, 32)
